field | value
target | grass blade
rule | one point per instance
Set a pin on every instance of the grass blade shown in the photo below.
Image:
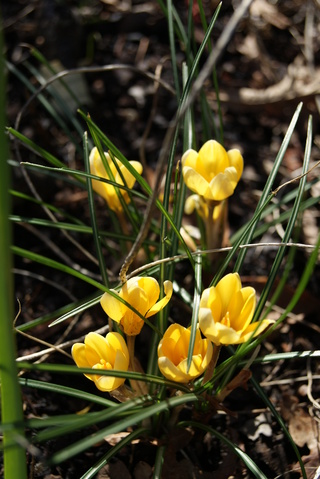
(14, 456)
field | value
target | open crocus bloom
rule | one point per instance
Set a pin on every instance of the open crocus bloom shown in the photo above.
(106, 190)
(173, 354)
(226, 311)
(99, 353)
(142, 294)
(212, 172)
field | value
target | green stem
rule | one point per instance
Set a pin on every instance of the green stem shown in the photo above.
(11, 404)
(216, 223)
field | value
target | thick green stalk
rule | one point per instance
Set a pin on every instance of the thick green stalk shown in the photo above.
(11, 404)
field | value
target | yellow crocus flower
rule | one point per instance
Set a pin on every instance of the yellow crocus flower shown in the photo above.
(173, 354)
(212, 173)
(99, 353)
(141, 293)
(106, 190)
(226, 311)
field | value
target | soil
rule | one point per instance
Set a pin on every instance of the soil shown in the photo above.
(271, 64)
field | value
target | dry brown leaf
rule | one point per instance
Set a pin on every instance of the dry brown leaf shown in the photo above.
(302, 428)
(113, 439)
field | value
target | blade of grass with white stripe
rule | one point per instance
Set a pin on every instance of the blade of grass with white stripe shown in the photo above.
(75, 308)
(14, 456)
(66, 391)
(196, 303)
(61, 314)
(72, 369)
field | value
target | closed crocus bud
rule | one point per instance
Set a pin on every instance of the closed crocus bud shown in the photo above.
(212, 173)
(141, 293)
(102, 353)
(173, 354)
(226, 311)
(119, 174)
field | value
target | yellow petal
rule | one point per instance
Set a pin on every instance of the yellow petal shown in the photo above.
(108, 383)
(213, 302)
(190, 159)
(166, 348)
(170, 371)
(249, 304)
(223, 185)
(208, 355)
(226, 288)
(151, 288)
(96, 348)
(226, 335)
(254, 329)
(79, 355)
(128, 177)
(236, 160)
(168, 289)
(136, 297)
(112, 306)
(196, 183)
(213, 159)
(121, 362)
(205, 319)
(181, 347)
(117, 342)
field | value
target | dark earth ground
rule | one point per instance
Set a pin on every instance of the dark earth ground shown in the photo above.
(270, 66)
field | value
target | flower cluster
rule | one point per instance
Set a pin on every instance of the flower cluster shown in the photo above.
(226, 310)
(225, 315)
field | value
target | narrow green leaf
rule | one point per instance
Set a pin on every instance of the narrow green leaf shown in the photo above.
(251, 465)
(122, 425)
(14, 456)
(141, 431)
(196, 303)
